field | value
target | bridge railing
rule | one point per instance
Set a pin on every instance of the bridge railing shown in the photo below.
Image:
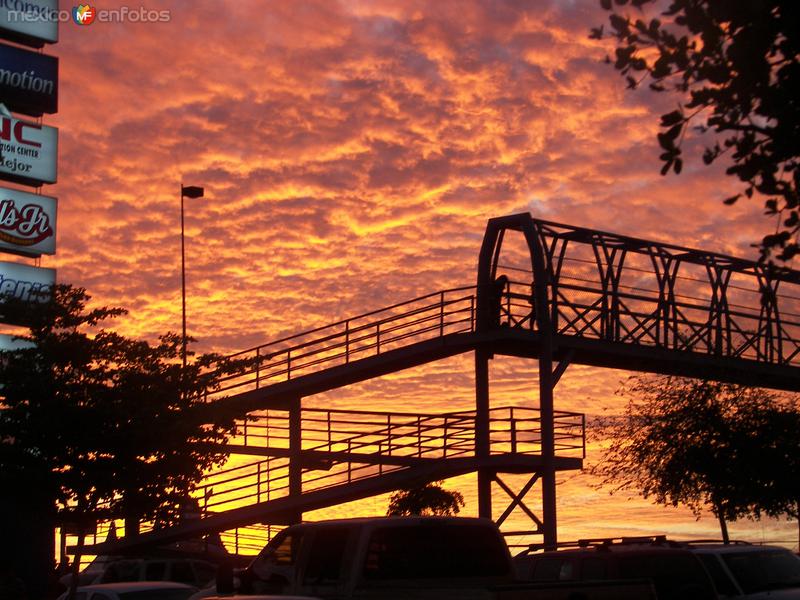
(620, 289)
(737, 326)
(370, 334)
(342, 446)
(680, 305)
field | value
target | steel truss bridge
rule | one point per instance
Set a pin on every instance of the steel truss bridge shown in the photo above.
(589, 297)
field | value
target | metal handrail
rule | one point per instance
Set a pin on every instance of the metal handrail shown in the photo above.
(351, 319)
(342, 341)
(427, 436)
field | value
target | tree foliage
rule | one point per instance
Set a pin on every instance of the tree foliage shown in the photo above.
(99, 423)
(735, 69)
(705, 444)
(427, 499)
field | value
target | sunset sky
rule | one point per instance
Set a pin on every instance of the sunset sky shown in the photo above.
(351, 154)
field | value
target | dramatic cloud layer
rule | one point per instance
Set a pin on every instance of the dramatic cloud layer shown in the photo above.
(351, 153)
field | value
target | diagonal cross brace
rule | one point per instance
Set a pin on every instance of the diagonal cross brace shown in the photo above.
(516, 500)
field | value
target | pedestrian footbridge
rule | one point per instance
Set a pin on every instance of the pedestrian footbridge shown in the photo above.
(586, 297)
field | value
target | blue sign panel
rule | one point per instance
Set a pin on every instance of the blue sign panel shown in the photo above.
(28, 81)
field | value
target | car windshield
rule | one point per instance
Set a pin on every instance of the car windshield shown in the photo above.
(764, 570)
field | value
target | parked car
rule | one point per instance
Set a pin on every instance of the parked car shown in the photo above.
(676, 572)
(747, 571)
(134, 590)
(198, 573)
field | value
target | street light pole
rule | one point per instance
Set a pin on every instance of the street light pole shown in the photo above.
(189, 191)
(183, 284)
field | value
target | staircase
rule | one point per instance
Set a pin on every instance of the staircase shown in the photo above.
(346, 455)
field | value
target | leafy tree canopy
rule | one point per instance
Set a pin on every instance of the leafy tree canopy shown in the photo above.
(428, 499)
(705, 444)
(101, 423)
(734, 68)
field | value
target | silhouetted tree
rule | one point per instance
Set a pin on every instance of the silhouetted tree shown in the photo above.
(96, 425)
(705, 444)
(735, 70)
(427, 499)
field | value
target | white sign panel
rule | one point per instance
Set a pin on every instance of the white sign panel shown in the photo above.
(26, 283)
(31, 22)
(27, 223)
(29, 151)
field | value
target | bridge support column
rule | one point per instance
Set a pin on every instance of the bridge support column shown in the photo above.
(546, 384)
(295, 455)
(482, 431)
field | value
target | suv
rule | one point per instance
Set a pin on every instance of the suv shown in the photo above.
(742, 570)
(675, 572)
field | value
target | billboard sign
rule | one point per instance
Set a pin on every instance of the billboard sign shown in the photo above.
(31, 22)
(28, 151)
(26, 283)
(28, 81)
(29, 284)
(27, 223)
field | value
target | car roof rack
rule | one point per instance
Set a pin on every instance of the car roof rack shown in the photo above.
(729, 543)
(599, 543)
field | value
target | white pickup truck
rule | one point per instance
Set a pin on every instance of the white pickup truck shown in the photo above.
(400, 558)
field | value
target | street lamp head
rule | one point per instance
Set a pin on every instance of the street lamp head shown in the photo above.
(191, 191)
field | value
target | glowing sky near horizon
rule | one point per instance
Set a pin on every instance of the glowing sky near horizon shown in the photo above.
(351, 153)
